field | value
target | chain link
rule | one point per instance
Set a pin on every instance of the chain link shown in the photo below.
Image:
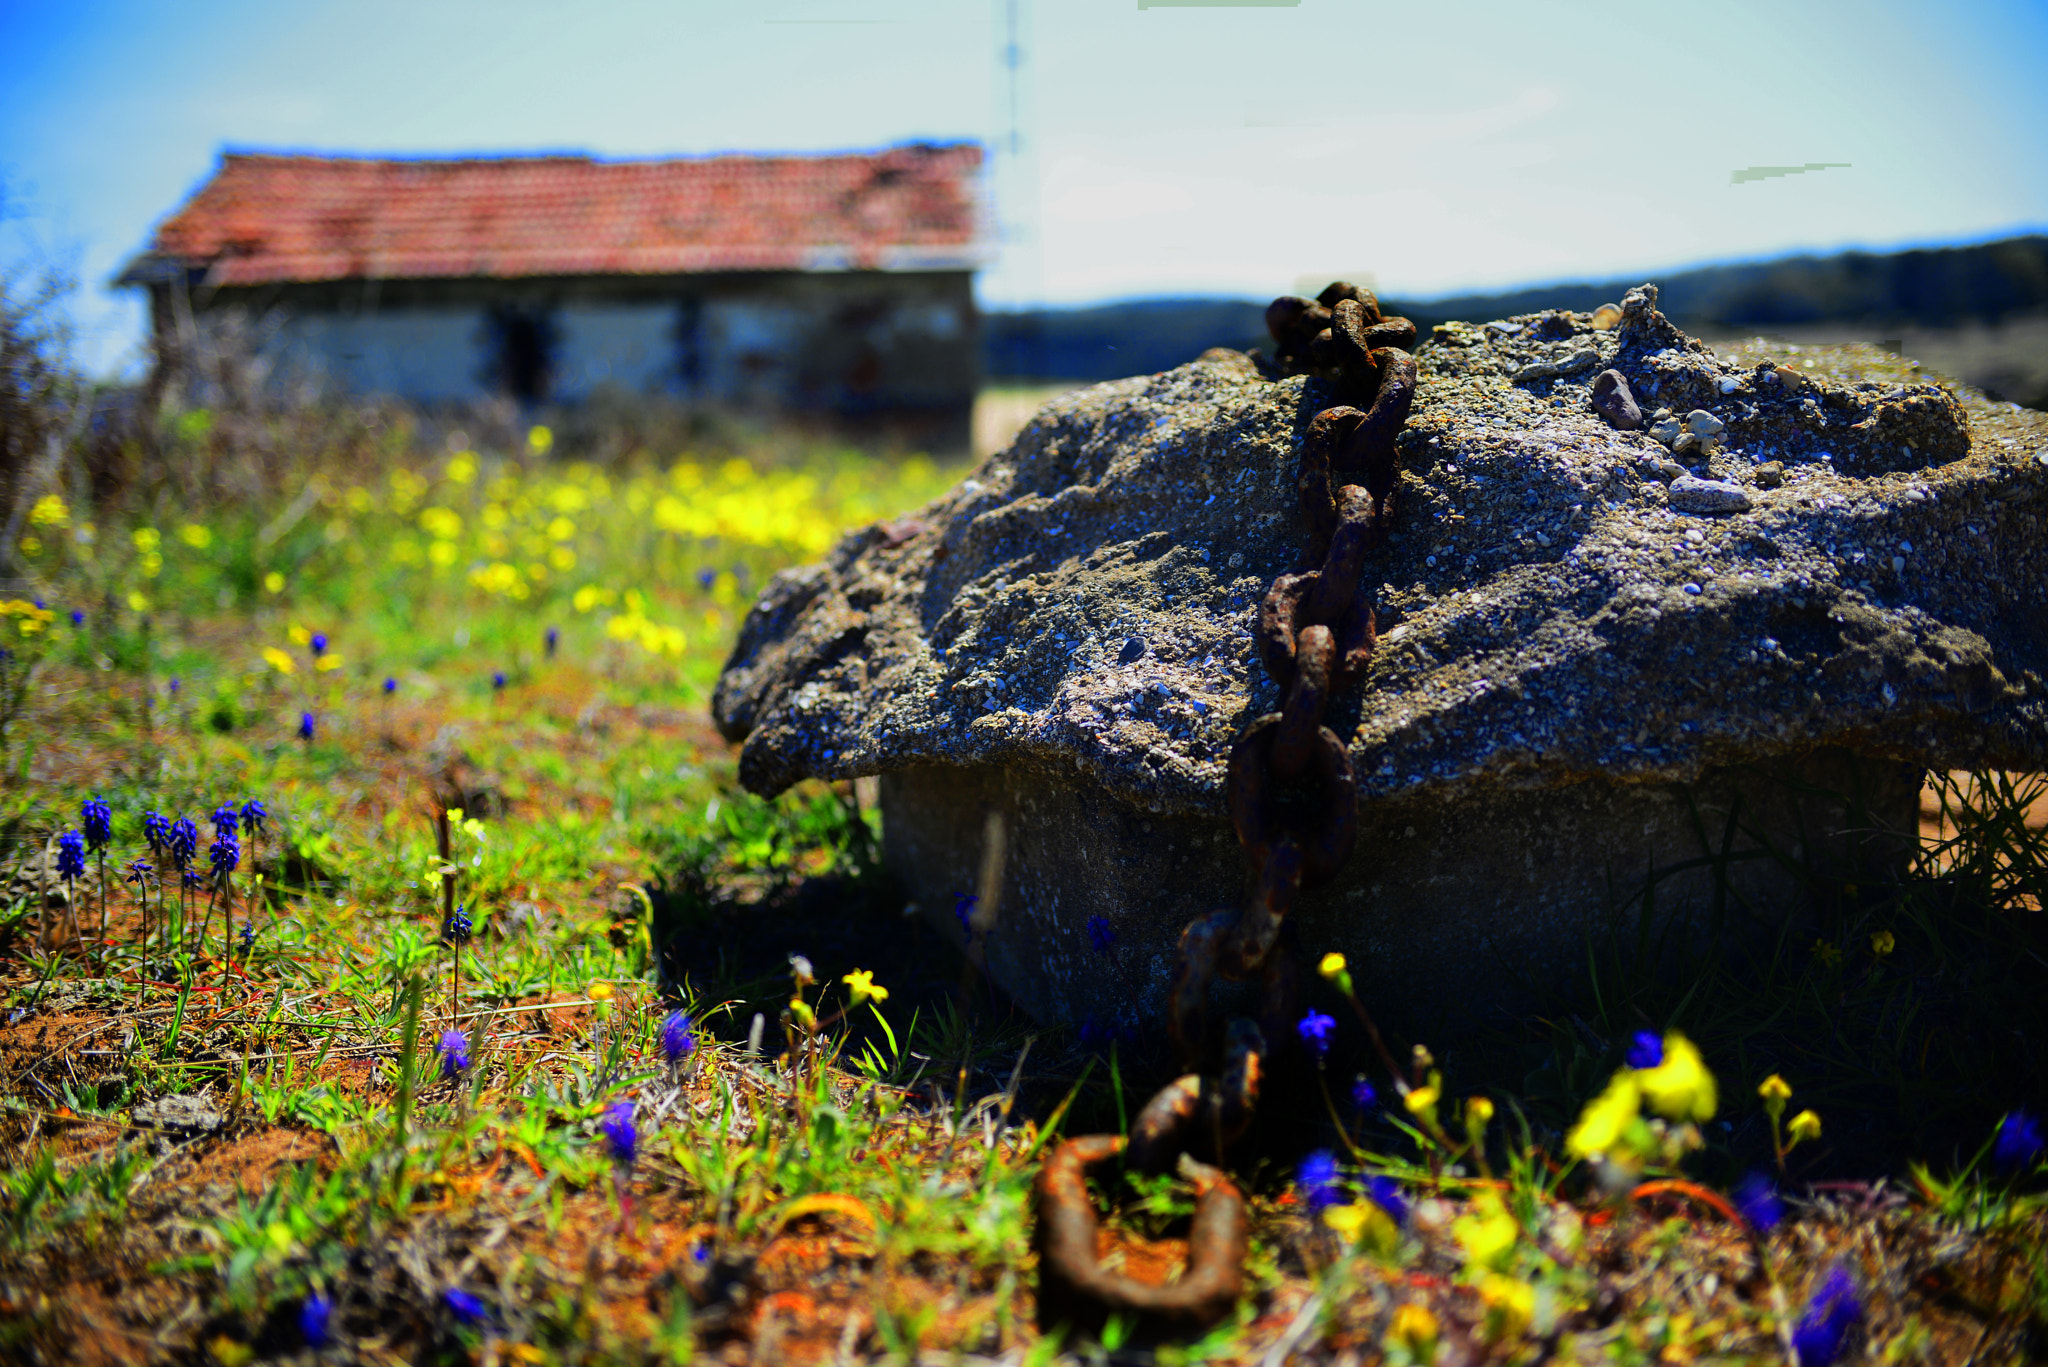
(1293, 802)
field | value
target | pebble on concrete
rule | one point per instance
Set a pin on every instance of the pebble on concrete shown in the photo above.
(1614, 401)
(1691, 494)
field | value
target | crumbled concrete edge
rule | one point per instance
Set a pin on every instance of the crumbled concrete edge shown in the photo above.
(1083, 602)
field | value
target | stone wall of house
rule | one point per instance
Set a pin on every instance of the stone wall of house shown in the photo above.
(866, 346)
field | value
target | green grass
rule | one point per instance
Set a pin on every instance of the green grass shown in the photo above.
(864, 1182)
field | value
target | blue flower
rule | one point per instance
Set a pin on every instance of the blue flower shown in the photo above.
(2019, 1143)
(1363, 1095)
(706, 578)
(156, 831)
(1385, 1193)
(465, 1307)
(454, 1052)
(138, 872)
(963, 908)
(1315, 1031)
(319, 644)
(247, 937)
(498, 680)
(183, 839)
(227, 820)
(390, 686)
(676, 1039)
(174, 688)
(77, 618)
(1317, 1178)
(554, 639)
(313, 1318)
(1100, 936)
(254, 814)
(1647, 1050)
(96, 818)
(620, 1132)
(1830, 1314)
(1759, 1202)
(306, 726)
(71, 855)
(224, 855)
(456, 929)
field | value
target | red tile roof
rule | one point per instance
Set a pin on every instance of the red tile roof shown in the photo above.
(264, 219)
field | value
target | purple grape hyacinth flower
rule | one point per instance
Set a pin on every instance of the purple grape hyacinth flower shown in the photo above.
(71, 855)
(1317, 1178)
(498, 681)
(1824, 1325)
(96, 820)
(227, 820)
(1759, 1202)
(1364, 1095)
(138, 872)
(2019, 1144)
(183, 839)
(1646, 1050)
(554, 638)
(319, 644)
(156, 832)
(1315, 1029)
(224, 854)
(454, 1051)
(620, 1132)
(390, 687)
(465, 1307)
(1100, 936)
(313, 1321)
(254, 814)
(457, 929)
(77, 618)
(676, 1040)
(306, 726)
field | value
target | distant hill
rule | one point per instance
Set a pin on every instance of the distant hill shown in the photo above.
(1937, 287)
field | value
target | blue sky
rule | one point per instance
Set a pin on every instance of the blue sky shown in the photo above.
(1177, 148)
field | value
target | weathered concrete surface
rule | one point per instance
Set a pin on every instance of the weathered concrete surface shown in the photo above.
(1448, 910)
(1561, 646)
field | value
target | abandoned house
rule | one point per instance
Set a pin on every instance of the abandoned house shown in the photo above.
(838, 285)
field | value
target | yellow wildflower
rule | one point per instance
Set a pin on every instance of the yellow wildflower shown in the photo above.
(49, 511)
(1510, 1306)
(1478, 1112)
(1607, 1116)
(1882, 943)
(602, 991)
(196, 536)
(327, 663)
(541, 440)
(1363, 1223)
(1487, 1233)
(1679, 1088)
(1337, 971)
(861, 984)
(279, 660)
(1414, 1329)
(147, 539)
(1805, 1125)
(273, 582)
(1775, 1091)
(1421, 1103)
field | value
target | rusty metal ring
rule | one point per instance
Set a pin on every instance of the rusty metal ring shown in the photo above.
(1074, 1285)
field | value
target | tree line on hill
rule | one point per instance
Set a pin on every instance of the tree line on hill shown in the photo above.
(1989, 283)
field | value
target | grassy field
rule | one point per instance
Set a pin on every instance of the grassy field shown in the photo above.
(477, 1015)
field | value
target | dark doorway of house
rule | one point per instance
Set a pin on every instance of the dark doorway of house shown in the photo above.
(523, 361)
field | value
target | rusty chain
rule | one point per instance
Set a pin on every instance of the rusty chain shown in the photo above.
(1293, 802)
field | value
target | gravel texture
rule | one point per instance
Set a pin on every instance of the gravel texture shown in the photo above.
(1851, 560)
